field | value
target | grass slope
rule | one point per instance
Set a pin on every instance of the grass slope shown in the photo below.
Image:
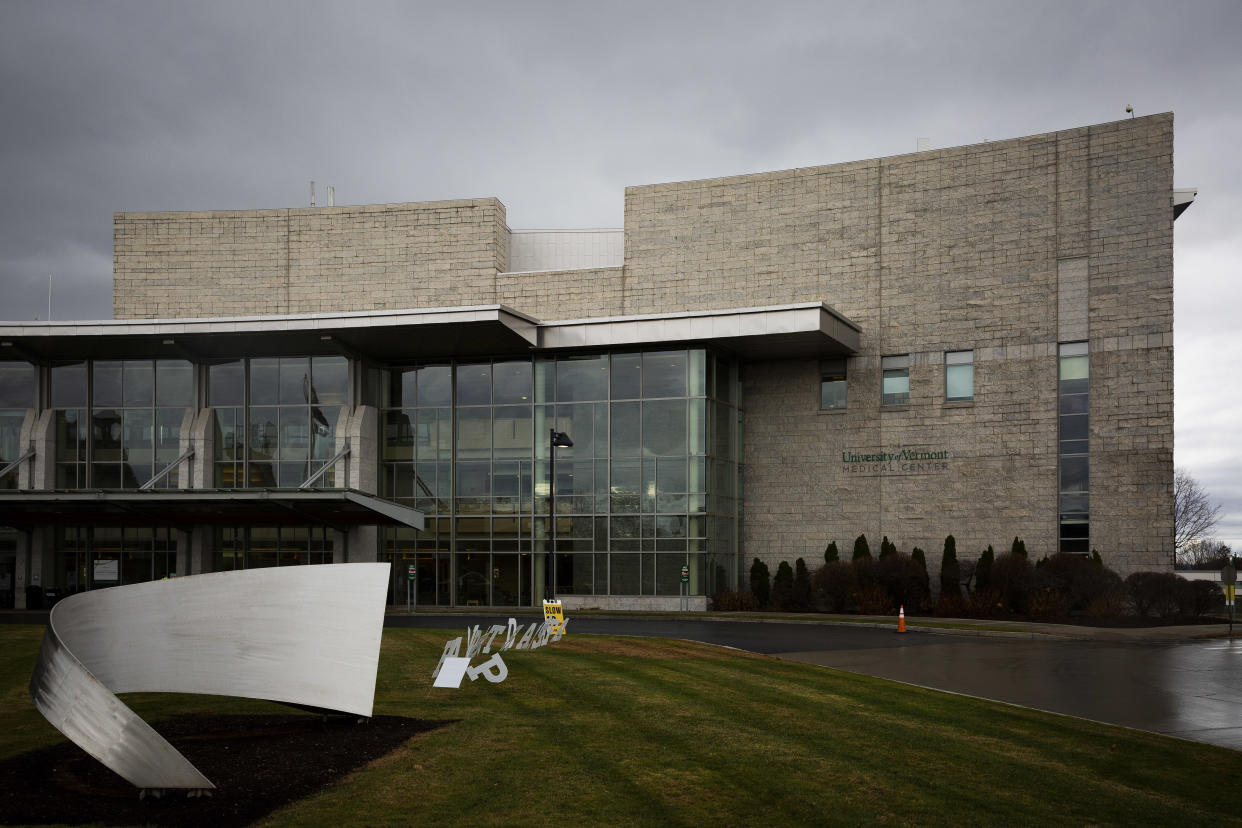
(621, 731)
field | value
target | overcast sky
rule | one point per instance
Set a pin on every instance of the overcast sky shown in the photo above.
(555, 108)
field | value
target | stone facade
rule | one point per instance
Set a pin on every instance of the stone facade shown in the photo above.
(311, 260)
(1004, 248)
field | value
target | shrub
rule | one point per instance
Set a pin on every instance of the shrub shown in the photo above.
(864, 572)
(801, 598)
(760, 582)
(873, 600)
(1159, 593)
(834, 585)
(950, 573)
(734, 601)
(919, 558)
(1018, 548)
(1092, 584)
(952, 606)
(782, 587)
(1208, 597)
(861, 549)
(1111, 604)
(1013, 577)
(983, 569)
(1082, 579)
(1047, 602)
(831, 555)
(903, 579)
(986, 603)
(887, 548)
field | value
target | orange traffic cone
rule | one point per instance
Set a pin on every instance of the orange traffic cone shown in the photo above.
(901, 619)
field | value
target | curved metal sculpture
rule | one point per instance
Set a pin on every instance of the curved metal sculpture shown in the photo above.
(304, 635)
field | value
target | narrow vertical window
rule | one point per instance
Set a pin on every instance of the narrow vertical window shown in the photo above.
(896, 388)
(959, 376)
(832, 384)
(1074, 467)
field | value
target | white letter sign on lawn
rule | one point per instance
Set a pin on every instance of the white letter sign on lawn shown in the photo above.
(452, 667)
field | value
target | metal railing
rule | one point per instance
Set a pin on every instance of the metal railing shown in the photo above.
(167, 470)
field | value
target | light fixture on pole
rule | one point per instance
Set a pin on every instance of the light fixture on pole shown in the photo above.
(557, 439)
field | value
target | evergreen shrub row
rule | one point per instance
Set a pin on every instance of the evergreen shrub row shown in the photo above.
(1009, 584)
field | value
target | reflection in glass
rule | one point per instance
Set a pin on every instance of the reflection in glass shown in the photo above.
(896, 381)
(474, 384)
(664, 374)
(627, 377)
(69, 385)
(107, 376)
(626, 428)
(226, 384)
(512, 382)
(17, 385)
(174, 382)
(138, 383)
(664, 427)
(331, 380)
(581, 378)
(832, 384)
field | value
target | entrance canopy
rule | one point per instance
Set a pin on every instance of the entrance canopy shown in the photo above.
(337, 508)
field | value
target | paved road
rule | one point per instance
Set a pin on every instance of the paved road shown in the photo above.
(1191, 689)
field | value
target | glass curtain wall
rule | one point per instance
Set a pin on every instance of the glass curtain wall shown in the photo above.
(118, 422)
(252, 547)
(104, 556)
(649, 486)
(275, 419)
(17, 396)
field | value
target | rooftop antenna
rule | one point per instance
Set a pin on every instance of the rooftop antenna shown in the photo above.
(1130, 109)
(49, 297)
(312, 192)
(331, 196)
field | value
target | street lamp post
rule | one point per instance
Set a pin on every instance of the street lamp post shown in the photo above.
(556, 439)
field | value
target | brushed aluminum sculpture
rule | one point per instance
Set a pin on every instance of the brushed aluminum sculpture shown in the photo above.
(304, 635)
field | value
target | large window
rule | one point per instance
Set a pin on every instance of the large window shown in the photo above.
(104, 556)
(1074, 468)
(654, 460)
(118, 422)
(137, 409)
(17, 395)
(959, 376)
(254, 547)
(896, 382)
(275, 419)
(832, 384)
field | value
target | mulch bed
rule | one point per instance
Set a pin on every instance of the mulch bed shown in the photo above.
(257, 763)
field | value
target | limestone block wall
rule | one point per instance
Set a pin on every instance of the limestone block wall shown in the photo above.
(567, 294)
(966, 249)
(310, 260)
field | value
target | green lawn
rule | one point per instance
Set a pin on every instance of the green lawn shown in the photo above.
(606, 730)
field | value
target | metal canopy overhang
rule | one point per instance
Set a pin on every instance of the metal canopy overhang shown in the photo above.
(811, 329)
(185, 508)
(386, 336)
(806, 330)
